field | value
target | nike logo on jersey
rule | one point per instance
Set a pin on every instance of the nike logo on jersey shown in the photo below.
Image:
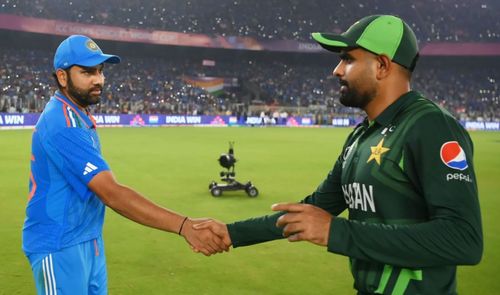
(89, 168)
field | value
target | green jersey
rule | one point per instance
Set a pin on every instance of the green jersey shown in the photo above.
(408, 182)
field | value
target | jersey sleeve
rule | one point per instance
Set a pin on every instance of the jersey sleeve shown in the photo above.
(255, 230)
(452, 235)
(76, 153)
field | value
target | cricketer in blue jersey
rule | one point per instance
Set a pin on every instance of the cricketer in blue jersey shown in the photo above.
(71, 184)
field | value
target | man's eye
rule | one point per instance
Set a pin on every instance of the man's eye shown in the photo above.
(346, 58)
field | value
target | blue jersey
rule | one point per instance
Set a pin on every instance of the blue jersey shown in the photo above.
(66, 154)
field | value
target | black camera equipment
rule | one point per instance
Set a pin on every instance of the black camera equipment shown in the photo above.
(228, 177)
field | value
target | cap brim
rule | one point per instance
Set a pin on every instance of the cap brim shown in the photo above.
(332, 42)
(99, 59)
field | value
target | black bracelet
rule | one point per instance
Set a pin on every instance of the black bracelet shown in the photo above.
(180, 229)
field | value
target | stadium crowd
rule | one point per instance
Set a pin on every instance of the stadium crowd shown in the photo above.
(432, 20)
(156, 85)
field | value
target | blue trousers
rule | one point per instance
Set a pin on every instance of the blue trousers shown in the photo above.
(76, 270)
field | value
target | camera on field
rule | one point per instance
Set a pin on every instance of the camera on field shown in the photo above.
(227, 176)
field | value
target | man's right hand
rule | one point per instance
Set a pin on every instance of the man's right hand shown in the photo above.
(203, 239)
(218, 228)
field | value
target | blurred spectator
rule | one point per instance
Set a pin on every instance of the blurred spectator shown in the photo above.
(432, 20)
(155, 85)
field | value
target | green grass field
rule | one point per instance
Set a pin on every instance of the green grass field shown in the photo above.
(173, 166)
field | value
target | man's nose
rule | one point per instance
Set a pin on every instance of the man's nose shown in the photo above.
(339, 70)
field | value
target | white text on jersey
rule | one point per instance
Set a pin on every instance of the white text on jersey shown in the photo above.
(359, 196)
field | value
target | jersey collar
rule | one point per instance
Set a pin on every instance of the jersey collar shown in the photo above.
(388, 115)
(87, 118)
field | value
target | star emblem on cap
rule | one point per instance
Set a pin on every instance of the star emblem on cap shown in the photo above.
(377, 152)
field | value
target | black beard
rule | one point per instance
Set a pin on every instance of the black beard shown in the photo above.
(352, 98)
(82, 97)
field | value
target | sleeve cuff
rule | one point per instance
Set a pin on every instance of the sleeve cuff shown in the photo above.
(338, 236)
(255, 230)
(233, 234)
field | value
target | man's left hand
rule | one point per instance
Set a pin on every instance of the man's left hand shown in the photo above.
(304, 222)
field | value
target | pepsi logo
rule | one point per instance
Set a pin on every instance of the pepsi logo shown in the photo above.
(453, 155)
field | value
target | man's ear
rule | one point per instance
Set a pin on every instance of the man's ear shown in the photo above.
(62, 77)
(384, 66)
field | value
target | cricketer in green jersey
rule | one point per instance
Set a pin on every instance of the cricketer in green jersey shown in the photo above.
(405, 174)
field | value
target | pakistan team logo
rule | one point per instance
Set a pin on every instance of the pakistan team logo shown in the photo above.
(377, 152)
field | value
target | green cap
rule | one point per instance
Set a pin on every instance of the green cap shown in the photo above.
(380, 34)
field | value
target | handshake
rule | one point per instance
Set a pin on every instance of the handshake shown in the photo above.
(206, 235)
(301, 222)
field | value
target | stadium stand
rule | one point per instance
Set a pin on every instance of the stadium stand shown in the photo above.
(156, 85)
(432, 20)
(263, 82)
